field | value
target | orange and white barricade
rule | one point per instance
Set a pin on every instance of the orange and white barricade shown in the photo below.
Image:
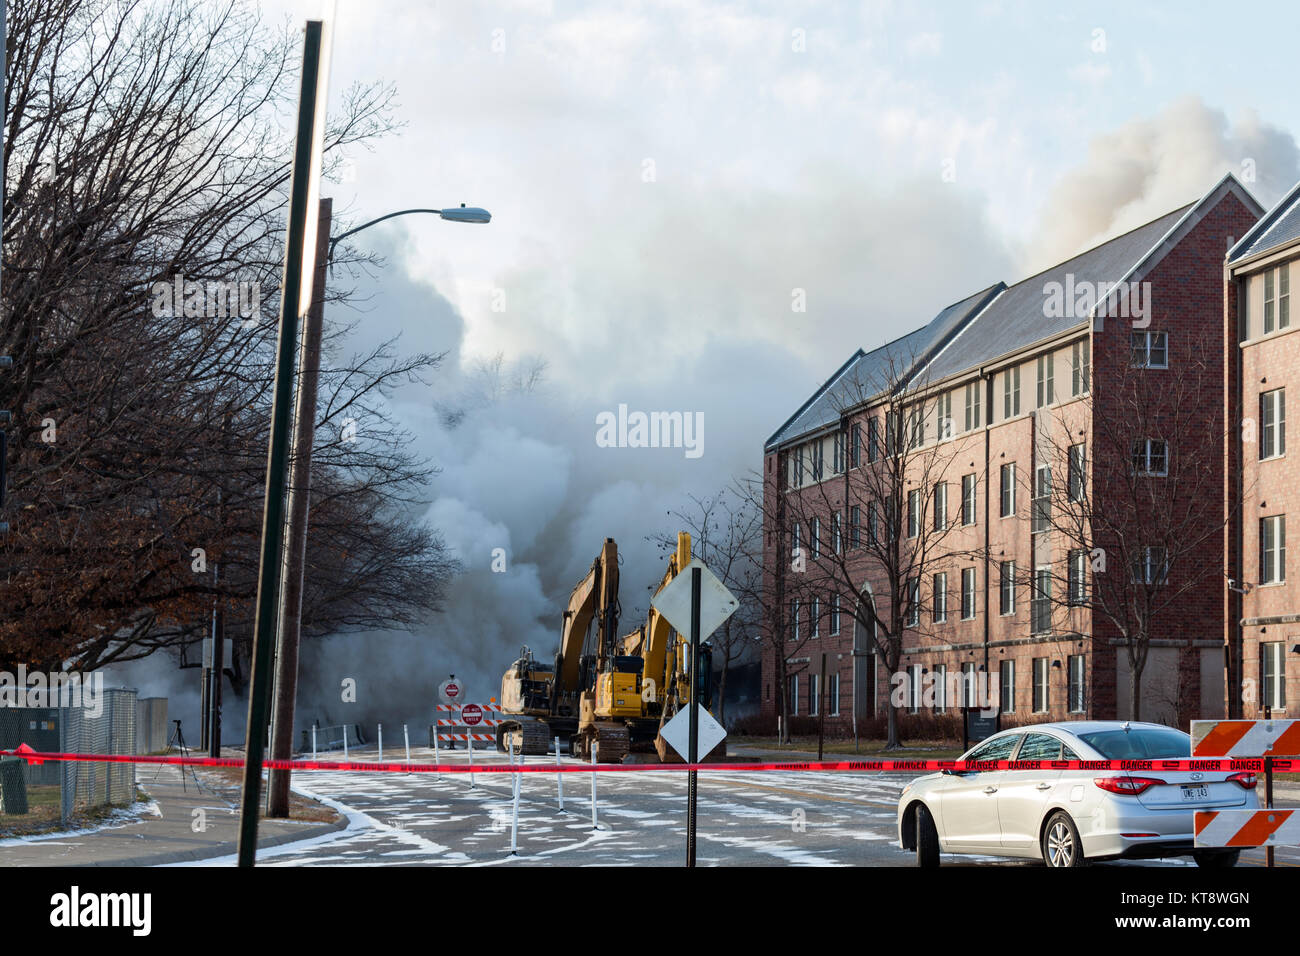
(1245, 738)
(1246, 828)
(451, 728)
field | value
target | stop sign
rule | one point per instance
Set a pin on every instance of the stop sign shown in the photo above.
(471, 714)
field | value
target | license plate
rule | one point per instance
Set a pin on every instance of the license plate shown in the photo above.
(1195, 791)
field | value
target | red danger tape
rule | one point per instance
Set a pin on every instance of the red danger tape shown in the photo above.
(1252, 765)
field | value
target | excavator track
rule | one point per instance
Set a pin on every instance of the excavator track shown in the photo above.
(612, 743)
(529, 737)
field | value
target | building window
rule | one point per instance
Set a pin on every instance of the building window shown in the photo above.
(794, 620)
(1011, 392)
(837, 452)
(968, 684)
(833, 694)
(968, 499)
(855, 526)
(815, 536)
(1080, 367)
(940, 597)
(940, 688)
(1078, 470)
(873, 438)
(1008, 688)
(1272, 674)
(913, 601)
(794, 695)
(1076, 684)
(1284, 295)
(913, 513)
(1079, 576)
(941, 506)
(967, 594)
(1151, 457)
(796, 468)
(815, 619)
(818, 459)
(1046, 380)
(1272, 423)
(893, 432)
(837, 534)
(1041, 508)
(916, 426)
(814, 695)
(1007, 588)
(973, 405)
(835, 614)
(1150, 349)
(873, 525)
(943, 416)
(855, 448)
(914, 673)
(1150, 566)
(1008, 489)
(1272, 549)
(1040, 605)
(1042, 666)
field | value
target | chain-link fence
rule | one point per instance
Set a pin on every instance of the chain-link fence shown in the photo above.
(87, 783)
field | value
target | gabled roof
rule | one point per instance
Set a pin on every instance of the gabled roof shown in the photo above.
(867, 374)
(1280, 226)
(1002, 320)
(1017, 318)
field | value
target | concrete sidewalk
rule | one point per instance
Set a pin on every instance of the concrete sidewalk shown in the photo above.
(154, 839)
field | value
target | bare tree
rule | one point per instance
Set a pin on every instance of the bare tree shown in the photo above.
(1127, 502)
(147, 158)
(726, 534)
(878, 528)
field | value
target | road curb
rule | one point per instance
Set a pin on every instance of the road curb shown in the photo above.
(224, 849)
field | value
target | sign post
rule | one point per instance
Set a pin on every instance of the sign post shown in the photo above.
(471, 715)
(694, 603)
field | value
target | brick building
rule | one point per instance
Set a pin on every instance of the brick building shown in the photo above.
(1262, 626)
(993, 400)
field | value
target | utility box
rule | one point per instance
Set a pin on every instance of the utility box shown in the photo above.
(151, 725)
(13, 785)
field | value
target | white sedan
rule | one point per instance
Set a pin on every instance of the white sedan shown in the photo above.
(1067, 817)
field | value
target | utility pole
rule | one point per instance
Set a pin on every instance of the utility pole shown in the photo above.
(272, 555)
(295, 556)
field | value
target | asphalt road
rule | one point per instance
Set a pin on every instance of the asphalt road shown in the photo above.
(744, 819)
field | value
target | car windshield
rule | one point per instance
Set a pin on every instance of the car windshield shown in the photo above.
(1139, 743)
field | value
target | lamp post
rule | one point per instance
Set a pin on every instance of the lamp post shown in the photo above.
(298, 502)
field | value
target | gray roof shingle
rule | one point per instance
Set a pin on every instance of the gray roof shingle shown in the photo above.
(868, 373)
(1017, 318)
(1279, 226)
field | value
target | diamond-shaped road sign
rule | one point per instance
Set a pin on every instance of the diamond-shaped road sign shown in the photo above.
(716, 602)
(678, 732)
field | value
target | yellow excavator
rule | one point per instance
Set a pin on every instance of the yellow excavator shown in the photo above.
(616, 699)
(560, 701)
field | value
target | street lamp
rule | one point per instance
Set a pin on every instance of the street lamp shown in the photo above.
(461, 213)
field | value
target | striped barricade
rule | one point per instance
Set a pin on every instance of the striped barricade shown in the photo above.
(1246, 828)
(1246, 738)
(452, 723)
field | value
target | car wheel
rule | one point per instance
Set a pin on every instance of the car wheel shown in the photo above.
(1061, 844)
(927, 838)
(1217, 860)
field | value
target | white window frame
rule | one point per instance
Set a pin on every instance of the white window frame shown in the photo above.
(1006, 588)
(1007, 491)
(1272, 424)
(969, 594)
(1011, 392)
(1272, 549)
(833, 694)
(1272, 675)
(969, 499)
(1007, 690)
(1076, 684)
(1080, 368)
(940, 598)
(1141, 354)
(941, 506)
(1046, 388)
(1144, 458)
(1041, 701)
